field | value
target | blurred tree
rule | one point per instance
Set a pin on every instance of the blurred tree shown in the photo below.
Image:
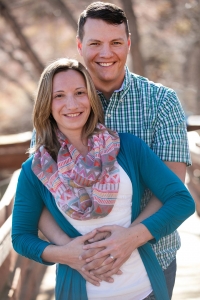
(186, 24)
(25, 46)
(66, 12)
(192, 63)
(136, 54)
(8, 48)
(165, 45)
(18, 83)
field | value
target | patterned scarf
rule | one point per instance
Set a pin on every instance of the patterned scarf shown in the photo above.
(68, 178)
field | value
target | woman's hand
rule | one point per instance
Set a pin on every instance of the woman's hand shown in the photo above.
(99, 236)
(69, 253)
(97, 266)
(98, 263)
(78, 263)
(119, 245)
(102, 271)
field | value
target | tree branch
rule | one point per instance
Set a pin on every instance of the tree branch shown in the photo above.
(22, 39)
(16, 82)
(65, 10)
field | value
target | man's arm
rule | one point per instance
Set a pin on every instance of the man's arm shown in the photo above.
(154, 204)
(178, 168)
(51, 229)
(170, 142)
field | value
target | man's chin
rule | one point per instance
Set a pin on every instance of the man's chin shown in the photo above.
(106, 75)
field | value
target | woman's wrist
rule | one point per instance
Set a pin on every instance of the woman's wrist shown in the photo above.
(55, 254)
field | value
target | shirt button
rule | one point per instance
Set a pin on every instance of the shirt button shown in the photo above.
(121, 100)
(108, 115)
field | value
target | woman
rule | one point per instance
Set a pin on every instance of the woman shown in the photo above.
(88, 176)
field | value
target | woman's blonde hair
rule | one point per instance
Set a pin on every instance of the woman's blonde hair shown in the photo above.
(43, 121)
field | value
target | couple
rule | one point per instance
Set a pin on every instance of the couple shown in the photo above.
(91, 180)
(127, 100)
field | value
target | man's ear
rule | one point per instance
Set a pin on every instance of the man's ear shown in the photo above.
(129, 41)
(79, 45)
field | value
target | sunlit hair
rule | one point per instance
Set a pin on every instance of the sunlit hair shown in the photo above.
(43, 120)
(108, 12)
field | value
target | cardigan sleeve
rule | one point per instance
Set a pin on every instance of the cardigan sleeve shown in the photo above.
(27, 209)
(178, 204)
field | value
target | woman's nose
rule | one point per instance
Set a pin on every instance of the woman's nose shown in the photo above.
(71, 102)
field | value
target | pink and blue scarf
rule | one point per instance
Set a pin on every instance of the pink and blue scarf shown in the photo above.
(68, 179)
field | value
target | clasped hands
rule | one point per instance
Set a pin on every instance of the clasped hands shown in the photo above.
(105, 251)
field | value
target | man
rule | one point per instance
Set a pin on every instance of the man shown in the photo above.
(133, 104)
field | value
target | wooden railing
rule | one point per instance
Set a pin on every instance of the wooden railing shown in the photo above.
(13, 150)
(7, 255)
(20, 278)
(193, 123)
(6, 205)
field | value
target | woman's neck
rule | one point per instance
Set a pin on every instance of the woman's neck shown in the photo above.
(80, 143)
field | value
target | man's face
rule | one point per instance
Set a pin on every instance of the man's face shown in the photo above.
(104, 49)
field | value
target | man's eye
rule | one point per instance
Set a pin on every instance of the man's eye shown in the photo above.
(94, 44)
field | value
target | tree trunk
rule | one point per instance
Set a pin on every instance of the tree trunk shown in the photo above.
(10, 51)
(17, 83)
(21, 38)
(198, 60)
(198, 80)
(66, 13)
(137, 59)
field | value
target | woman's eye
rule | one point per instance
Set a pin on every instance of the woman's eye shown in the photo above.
(58, 96)
(79, 93)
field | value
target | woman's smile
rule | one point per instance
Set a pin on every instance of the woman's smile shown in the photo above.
(72, 115)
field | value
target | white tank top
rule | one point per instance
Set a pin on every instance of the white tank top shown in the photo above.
(134, 283)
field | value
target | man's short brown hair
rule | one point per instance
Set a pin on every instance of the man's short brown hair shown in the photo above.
(108, 12)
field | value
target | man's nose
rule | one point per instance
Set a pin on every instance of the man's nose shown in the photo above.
(106, 51)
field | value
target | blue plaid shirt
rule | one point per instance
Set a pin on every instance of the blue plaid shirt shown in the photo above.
(153, 113)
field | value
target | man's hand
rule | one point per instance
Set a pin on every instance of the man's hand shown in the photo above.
(120, 244)
(97, 265)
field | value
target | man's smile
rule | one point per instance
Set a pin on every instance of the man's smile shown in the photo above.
(105, 64)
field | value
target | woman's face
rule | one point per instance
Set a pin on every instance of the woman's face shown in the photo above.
(70, 104)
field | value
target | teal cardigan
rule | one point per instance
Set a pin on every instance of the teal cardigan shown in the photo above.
(145, 169)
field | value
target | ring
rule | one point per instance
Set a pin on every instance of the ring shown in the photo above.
(112, 257)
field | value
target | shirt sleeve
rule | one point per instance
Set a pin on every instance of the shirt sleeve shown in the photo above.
(170, 139)
(178, 204)
(27, 209)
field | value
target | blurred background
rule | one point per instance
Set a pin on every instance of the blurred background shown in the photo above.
(165, 48)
